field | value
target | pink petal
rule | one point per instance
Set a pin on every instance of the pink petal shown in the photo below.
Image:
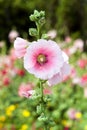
(20, 53)
(20, 43)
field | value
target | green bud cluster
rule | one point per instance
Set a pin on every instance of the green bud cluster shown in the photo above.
(38, 16)
(39, 19)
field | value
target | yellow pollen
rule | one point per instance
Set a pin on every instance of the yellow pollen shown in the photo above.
(41, 58)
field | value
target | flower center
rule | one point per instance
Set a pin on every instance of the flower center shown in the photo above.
(41, 59)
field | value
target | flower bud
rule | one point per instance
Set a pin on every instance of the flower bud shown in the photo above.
(39, 110)
(43, 118)
(33, 32)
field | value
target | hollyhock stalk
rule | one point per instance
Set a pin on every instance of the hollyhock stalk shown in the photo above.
(42, 102)
(39, 19)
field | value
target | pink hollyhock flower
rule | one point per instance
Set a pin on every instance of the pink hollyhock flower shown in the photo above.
(78, 44)
(12, 35)
(64, 72)
(82, 63)
(25, 90)
(6, 81)
(84, 80)
(20, 47)
(68, 39)
(83, 83)
(20, 72)
(3, 72)
(73, 72)
(44, 59)
(52, 34)
(71, 113)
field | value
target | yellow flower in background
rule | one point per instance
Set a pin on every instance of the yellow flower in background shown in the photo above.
(24, 127)
(85, 127)
(78, 115)
(66, 123)
(26, 113)
(2, 118)
(10, 109)
(1, 125)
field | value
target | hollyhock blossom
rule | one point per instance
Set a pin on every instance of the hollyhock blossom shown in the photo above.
(25, 90)
(45, 59)
(20, 47)
(73, 72)
(20, 72)
(78, 44)
(52, 34)
(83, 81)
(12, 35)
(71, 113)
(82, 63)
(68, 39)
(6, 81)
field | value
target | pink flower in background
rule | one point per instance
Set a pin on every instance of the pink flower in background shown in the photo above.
(73, 72)
(6, 81)
(26, 90)
(68, 39)
(20, 72)
(44, 59)
(78, 44)
(82, 63)
(20, 47)
(12, 35)
(52, 34)
(71, 113)
(84, 80)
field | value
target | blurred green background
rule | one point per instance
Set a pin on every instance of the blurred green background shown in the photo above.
(68, 17)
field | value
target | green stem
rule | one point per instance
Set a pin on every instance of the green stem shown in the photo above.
(41, 88)
(42, 103)
(45, 128)
(39, 30)
(41, 91)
